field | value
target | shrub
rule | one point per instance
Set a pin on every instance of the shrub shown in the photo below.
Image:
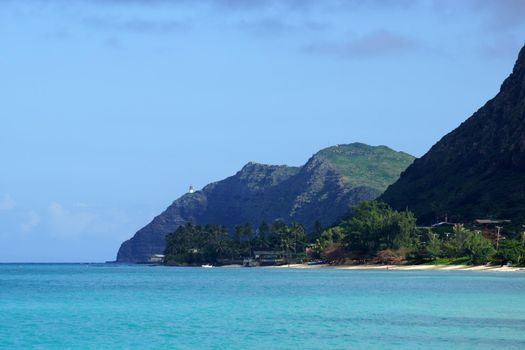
(391, 256)
(334, 253)
(511, 250)
(478, 248)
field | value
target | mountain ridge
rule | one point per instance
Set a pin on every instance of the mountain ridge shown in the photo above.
(259, 192)
(477, 170)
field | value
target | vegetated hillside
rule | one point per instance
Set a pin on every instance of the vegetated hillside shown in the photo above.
(322, 189)
(362, 165)
(477, 170)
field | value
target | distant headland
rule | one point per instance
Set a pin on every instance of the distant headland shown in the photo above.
(462, 203)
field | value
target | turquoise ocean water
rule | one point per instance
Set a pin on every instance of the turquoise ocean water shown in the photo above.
(142, 307)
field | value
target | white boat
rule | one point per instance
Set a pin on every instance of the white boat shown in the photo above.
(207, 266)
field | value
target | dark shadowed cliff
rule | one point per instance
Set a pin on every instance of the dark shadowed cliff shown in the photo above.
(322, 190)
(477, 170)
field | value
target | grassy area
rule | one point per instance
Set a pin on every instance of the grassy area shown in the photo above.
(363, 165)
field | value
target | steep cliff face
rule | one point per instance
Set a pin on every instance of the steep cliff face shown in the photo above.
(322, 189)
(477, 170)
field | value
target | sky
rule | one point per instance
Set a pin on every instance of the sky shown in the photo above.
(110, 109)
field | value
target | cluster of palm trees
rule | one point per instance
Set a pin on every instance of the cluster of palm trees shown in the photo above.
(196, 244)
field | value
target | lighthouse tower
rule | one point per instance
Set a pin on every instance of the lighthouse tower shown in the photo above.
(191, 190)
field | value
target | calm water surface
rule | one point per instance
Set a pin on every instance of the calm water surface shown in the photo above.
(141, 307)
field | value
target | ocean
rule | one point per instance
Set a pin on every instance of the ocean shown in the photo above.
(98, 306)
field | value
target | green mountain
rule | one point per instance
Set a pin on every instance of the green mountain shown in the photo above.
(322, 189)
(362, 165)
(477, 170)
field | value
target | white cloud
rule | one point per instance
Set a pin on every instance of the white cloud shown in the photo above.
(374, 44)
(68, 223)
(7, 203)
(82, 220)
(32, 220)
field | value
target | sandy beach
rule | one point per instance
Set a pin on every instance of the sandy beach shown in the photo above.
(481, 268)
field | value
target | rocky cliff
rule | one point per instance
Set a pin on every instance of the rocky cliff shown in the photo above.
(322, 189)
(477, 170)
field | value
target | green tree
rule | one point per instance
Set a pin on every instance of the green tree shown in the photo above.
(316, 231)
(237, 244)
(511, 250)
(299, 237)
(263, 236)
(478, 248)
(247, 239)
(195, 244)
(433, 246)
(278, 233)
(218, 241)
(329, 237)
(375, 226)
(459, 238)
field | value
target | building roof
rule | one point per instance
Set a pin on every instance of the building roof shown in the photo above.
(443, 223)
(489, 221)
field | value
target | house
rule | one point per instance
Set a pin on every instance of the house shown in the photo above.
(156, 259)
(269, 257)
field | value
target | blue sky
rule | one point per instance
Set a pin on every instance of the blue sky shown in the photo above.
(110, 109)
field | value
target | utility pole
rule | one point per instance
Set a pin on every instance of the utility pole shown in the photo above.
(498, 236)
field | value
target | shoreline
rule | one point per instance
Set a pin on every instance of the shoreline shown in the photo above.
(481, 268)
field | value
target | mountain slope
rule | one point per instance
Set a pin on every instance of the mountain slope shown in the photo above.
(477, 170)
(322, 189)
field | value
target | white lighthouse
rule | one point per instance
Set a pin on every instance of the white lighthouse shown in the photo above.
(191, 190)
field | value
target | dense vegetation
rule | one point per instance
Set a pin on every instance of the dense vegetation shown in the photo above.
(374, 233)
(197, 244)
